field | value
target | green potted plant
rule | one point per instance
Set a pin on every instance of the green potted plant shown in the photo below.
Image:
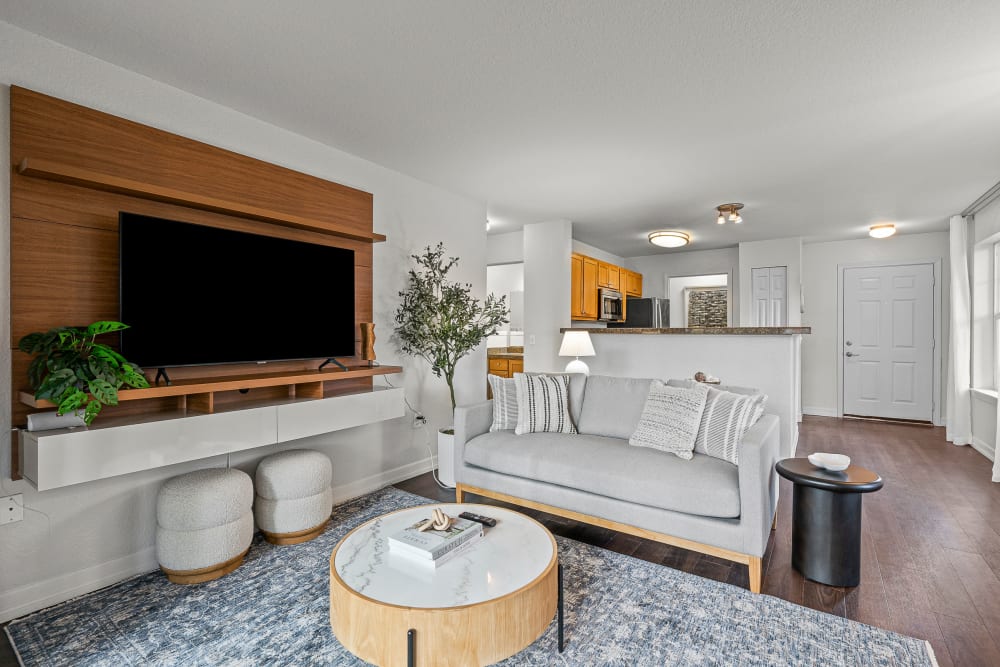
(76, 372)
(441, 322)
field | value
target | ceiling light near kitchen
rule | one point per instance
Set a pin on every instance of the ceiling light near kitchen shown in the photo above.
(669, 239)
(882, 231)
(730, 212)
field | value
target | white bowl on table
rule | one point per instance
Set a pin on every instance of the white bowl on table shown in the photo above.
(832, 462)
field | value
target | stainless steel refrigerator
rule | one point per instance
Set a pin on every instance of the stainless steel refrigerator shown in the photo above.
(650, 313)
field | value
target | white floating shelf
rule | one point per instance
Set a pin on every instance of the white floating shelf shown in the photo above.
(61, 457)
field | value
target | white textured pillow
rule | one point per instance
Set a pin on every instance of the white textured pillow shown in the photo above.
(504, 403)
(543, 404)
(670, 419)
(726, 418)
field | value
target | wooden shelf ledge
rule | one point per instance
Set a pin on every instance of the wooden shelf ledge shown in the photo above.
(63, 173)
(200, 392)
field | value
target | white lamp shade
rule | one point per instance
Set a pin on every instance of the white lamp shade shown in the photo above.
(576, 344)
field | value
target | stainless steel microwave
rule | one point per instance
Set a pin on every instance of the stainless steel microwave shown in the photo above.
(610, 305)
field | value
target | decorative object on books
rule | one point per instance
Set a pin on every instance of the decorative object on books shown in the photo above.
(577, 344)
(204, 524)
(612, 599)
(441, 322)
(832, 462)
(293, 495)
(368, 342)
(432, 538)
(76, 372)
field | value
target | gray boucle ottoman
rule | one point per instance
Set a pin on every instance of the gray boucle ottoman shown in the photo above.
(204, 524)
(293, 498)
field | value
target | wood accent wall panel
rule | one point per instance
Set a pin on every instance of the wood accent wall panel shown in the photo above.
(64, 237)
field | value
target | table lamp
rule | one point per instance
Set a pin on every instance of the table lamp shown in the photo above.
(577, 344)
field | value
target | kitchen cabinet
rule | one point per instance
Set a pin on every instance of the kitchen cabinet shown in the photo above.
(609, 275)
(583, 295)
(633, 283)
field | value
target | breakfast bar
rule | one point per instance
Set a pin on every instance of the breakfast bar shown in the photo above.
(767, 358)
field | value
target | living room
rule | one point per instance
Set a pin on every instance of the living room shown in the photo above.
(575, 129)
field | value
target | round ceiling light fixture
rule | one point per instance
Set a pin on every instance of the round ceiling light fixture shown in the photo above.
(882, 231)
(729, 212)
(669, 238)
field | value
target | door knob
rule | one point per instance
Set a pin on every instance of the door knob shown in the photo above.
(848, 343)
(851, 354)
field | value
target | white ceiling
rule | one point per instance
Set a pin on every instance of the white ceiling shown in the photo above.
(624, 117)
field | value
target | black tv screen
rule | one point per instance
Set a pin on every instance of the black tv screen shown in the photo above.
(193, 295)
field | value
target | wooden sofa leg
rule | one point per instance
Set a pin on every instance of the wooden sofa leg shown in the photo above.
(459, 493)
(755, 574)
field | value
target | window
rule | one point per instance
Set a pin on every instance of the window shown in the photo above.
(985, 314)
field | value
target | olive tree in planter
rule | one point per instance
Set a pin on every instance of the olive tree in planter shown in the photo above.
(74, 371)
(441, 322)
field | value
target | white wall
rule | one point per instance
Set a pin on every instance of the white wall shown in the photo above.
(598, 254)
(775, 252)
(820, 352)
(507, 280)
(675, 292)
(547, 275)
(97, 533)
(505, 248)
(655, 269)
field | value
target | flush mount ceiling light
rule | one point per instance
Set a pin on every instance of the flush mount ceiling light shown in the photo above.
(882, 231)
(669, 239)
(729, 213)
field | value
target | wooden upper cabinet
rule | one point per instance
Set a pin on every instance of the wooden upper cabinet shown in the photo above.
(608, 275)
(583, 295)
(602, 274)
(633, 283)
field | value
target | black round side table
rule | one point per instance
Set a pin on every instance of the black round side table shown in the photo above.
(826, 520)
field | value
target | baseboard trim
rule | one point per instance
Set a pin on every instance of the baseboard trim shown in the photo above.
(42, 594)
(819, 412)
(983, 448)
(39, 595)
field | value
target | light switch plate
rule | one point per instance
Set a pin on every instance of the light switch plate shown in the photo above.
(11, 508)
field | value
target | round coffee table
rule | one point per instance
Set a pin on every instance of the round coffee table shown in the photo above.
(481, 607)
(826, 519)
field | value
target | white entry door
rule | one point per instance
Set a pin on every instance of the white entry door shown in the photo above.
(888, 343)
(770, 300)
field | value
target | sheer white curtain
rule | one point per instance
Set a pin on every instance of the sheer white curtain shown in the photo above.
(958, 427)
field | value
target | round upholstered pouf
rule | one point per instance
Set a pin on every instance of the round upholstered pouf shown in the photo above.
(293, 497)
(204, 524)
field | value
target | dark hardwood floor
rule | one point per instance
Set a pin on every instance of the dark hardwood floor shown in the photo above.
(930, 544)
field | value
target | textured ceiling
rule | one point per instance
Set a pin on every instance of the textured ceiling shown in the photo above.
(624, 117)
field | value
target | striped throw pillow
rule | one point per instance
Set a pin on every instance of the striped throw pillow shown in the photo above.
(726, 418)
(542, 404)
(670, 419)
(504, 403)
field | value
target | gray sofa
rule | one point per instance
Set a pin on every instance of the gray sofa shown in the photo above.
(705, 504)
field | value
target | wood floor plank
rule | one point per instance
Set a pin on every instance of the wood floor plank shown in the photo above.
(969, 644)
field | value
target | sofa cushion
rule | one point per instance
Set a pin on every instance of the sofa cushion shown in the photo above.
(703, 486)
(612, 406)
(504, 402)
(726, 417)
(670, 419)
(543, 404)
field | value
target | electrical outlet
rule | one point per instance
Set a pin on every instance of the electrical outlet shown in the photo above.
(11, 509)
(419, 421)
(531, 340)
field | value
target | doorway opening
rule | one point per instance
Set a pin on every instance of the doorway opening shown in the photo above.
(700, 301)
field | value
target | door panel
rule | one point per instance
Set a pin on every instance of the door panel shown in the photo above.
(888, 353)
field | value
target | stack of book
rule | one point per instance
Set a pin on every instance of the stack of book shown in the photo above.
(433, 548)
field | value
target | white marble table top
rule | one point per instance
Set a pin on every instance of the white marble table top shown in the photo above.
(510, 555)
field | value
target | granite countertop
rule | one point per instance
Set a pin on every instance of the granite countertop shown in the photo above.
(516, 353)
(704, 331)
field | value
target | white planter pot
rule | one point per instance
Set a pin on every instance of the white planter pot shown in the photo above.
(446, 458)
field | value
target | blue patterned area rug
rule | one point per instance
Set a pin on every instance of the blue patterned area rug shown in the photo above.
(274, 610)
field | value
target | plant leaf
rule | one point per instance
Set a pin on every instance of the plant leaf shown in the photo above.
(104, 391)
(30, 342)
(53, 386)
(103, 327)
(71, 402)
(93, 408)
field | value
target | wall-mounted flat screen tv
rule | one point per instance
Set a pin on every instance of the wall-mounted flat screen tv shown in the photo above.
(194, 295)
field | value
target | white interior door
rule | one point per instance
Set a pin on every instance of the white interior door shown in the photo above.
(888, 352)
(770, 296)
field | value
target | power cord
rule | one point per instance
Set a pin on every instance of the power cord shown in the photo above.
(420, 422)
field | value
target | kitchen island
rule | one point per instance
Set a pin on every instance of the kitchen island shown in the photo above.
(767, 358)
